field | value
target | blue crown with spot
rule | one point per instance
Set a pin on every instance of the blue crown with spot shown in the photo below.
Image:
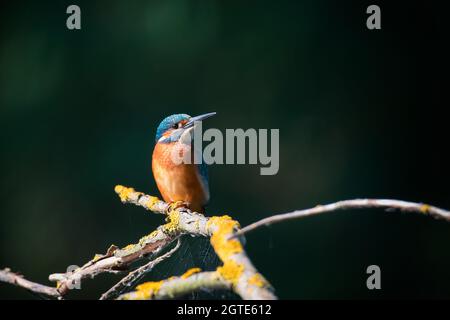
(169, 122)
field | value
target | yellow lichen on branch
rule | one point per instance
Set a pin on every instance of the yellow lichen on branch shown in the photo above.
(127, 194)
(148, 289)
(424, 208)
(223, 228)
(124, 192)
(173, 220)
(257, 280)
(190, 272)
(151, 202)
(192, 280)
(97, 257)
(128, 247)
(236, 272)
(231, 271)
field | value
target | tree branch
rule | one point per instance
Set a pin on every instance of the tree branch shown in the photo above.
(236, 273)
(237, 269)
(114, 261)
(178, 286)
(403, 206)
(18, 280)
(137, 274)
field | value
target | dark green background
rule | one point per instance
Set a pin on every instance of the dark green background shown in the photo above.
(360, 113)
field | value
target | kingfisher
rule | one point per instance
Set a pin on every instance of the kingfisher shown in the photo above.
(180, 182)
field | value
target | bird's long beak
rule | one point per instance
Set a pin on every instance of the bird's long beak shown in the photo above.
(202, 117)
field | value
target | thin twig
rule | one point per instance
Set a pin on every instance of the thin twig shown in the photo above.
(400, 205)
(6, 275)
(134, 276)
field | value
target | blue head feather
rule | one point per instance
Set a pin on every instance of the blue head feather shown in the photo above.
(169, 122)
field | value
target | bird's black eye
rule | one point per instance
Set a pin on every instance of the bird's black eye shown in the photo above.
(175, 126)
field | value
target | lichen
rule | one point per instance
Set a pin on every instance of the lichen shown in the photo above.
(127, 250)
(144, 240)
(151, 202)
(424, 208)
(153, 234)
(173, 220)
(197, 225)
(129, 247)
(148, 290)
(190, 272)
(224, 227)
(257, 280)
(97, 257)
(123, 192)
(231, 271)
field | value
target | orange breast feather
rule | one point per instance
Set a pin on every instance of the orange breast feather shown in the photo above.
(178, 182)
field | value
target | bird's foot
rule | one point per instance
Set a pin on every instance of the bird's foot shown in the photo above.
(178, 205)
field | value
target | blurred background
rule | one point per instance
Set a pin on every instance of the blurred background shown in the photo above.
(360, 113)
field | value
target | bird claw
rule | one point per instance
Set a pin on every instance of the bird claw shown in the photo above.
(178, 205)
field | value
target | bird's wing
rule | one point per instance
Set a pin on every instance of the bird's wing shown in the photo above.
(203, 170)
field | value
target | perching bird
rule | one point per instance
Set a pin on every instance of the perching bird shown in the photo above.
(185, 182)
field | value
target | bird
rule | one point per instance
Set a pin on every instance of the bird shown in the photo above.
(178, 181)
